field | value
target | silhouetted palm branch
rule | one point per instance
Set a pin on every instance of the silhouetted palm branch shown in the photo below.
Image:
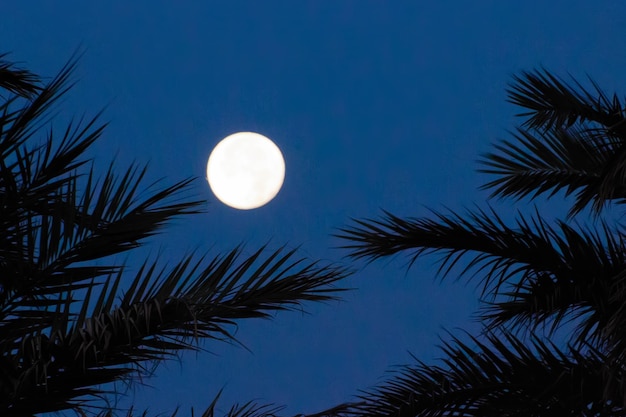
(575, 142)
(580, 146)
(160, 313)
(71, 317)
(501, 377)
(17, 80)
(553, 104)
(248, 409)
(532, 272)
(573, 160)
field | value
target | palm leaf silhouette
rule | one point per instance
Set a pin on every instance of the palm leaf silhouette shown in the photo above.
(501, 376)
(533, 274)
(580, 144)
(72, 317)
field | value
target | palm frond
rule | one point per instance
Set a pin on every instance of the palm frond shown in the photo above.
(161, 312)
(49, 226)
(46, 261)
(17, 80)
(587, 161)
(581, 144)
(583, 292)
(554, 104)
(21, 125)
(252, 409)
(501, 377)
(493, 247)
(249, 409)
(69, 319)
(533, 273)
(574, 141)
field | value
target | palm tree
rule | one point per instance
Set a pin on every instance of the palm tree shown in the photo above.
(533, 274)
(72, 319)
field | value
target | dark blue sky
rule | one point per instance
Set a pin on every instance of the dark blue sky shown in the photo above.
(374, 104)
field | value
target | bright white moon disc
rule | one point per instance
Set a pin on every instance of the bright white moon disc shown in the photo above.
(245, 170)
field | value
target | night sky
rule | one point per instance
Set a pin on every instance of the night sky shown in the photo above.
(375, 105)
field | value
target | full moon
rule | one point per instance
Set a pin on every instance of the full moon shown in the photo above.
(245, 170)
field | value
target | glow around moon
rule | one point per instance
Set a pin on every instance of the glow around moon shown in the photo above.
(245, 170)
